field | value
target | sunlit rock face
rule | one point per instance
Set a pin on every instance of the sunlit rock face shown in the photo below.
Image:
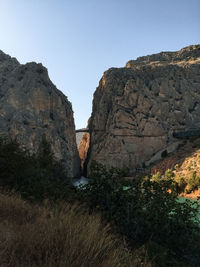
(137, 108)
(31, 106)
(83, 148)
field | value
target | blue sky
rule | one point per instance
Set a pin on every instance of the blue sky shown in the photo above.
(77, 40)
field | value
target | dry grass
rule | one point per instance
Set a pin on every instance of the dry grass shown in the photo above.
(65, 235)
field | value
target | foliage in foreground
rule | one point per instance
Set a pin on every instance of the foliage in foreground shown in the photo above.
(146, 211)
(35, 176)
(63, 235)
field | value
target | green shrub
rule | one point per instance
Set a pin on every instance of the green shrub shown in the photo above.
(176, 166)
(193, 182)
(156, 177)
(181, 184)
(169, 175)
(35, 176)
(146, 210)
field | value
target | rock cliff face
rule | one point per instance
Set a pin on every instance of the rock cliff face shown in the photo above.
(83, 148)
(136, 109)
(31, 106)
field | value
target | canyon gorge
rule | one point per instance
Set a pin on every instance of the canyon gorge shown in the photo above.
(139, 111)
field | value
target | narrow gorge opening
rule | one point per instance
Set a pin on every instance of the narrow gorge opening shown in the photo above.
(83, 143)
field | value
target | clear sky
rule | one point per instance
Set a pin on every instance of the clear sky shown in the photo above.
(77, 40)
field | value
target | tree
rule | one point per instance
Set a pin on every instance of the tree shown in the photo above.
(35, 176)
(144, 211)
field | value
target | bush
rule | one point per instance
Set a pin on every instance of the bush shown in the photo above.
(193, 182)
(181, 184)
(146, 210)
(35, 176)
(169, 175)
(157, 177)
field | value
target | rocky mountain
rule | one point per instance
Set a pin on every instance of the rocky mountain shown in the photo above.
(31, 107)
(138, 110)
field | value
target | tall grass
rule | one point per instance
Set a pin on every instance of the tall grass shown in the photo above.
(65, 235)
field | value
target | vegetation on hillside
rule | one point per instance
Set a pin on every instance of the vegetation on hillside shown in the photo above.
(185, 164)
(146, 211)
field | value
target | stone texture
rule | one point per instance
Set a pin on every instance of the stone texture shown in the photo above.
(83, 148)
(79, 138)
(137, 108)
(31, 106)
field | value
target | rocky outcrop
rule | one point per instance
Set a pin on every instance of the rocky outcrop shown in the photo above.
(83, 148)
(78, 138)
(136, 109)
(31, 106)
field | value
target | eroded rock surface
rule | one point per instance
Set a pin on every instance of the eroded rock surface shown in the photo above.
(137, 108)
(31, 106)
(83, 148)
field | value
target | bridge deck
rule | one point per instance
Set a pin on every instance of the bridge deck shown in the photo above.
(82, 131)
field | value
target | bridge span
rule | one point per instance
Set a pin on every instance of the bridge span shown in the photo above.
(83, 130)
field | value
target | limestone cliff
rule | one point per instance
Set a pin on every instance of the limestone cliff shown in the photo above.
(31, 106)
(136, 109)
(83, 148)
